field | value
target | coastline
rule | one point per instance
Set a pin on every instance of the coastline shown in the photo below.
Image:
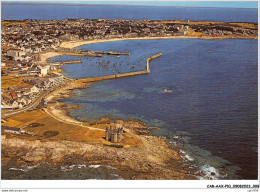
(142, 156)
(73, 44)
(150, 168)
(47, 55)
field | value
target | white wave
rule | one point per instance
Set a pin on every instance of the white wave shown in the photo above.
(81, 166)
(110, 167)
(209, 172)
(23, 168)
(65, 168)
(94, 166)
(172, 142)
(17, 169)
(189, 157)
(186, 156)
(115, 175)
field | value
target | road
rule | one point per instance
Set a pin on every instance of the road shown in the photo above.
(31, 105)
(28, 107)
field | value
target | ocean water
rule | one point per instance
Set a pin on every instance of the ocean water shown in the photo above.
(49, 12)
(201, 93)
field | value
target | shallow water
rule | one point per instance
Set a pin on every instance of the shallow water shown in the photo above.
(204, 89)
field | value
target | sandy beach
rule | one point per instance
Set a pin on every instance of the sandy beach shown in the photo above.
(45, 56)
(73, 44)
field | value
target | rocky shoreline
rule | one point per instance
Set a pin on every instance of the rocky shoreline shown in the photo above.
(154, 159)
(149, 157)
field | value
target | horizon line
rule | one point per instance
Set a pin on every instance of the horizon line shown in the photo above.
(106, 3)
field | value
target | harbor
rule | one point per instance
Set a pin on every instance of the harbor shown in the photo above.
(90, 53)
(128, 74)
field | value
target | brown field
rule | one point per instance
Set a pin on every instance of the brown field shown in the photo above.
(8, 23)
(63, 131)
(244, 25)
(193, 33)
(7, 81)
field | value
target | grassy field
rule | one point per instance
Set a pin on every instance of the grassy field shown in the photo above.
(41, 124)
(7, 81)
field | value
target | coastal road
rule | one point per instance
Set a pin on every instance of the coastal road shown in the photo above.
(29, 107)
(74, 122)
(33, 104)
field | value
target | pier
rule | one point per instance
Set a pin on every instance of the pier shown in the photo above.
(90, 53)
(70, 62)
(72, 53)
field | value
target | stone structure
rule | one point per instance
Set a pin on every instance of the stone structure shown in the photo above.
(114, 135)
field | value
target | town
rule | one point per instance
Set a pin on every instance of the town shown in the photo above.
(26, 78)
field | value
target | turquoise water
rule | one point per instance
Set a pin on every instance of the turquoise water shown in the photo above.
(201, 93)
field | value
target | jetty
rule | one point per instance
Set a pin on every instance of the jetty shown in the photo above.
(151, 58)
(71, 53)
(93, 79)
(70, 62)
(91, 53)
(111, 52)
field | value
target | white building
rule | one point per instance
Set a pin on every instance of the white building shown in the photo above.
(44, 70)
(34, 89)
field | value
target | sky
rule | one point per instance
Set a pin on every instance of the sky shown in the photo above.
(236, 4)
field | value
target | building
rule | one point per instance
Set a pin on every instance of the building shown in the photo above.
(114, 135)
(44, 70)
(15, 53)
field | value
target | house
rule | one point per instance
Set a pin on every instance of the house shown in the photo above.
(34, 89)
(11, 105)
(13, 94)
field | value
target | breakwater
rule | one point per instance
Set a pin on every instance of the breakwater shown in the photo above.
(72, 53)
(93, 79)
(90, 53)
(111, 52)
(151, 58)
(71, 62)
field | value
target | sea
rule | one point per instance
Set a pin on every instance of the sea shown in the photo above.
(202, 94)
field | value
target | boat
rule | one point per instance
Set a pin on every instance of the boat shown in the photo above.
(167, 90)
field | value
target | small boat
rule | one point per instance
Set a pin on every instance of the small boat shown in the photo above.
(210, 51)
(167, 90)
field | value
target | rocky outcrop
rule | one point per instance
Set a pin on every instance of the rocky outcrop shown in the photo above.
(155, 159)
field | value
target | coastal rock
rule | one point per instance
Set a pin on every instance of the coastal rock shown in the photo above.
(154, 159)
